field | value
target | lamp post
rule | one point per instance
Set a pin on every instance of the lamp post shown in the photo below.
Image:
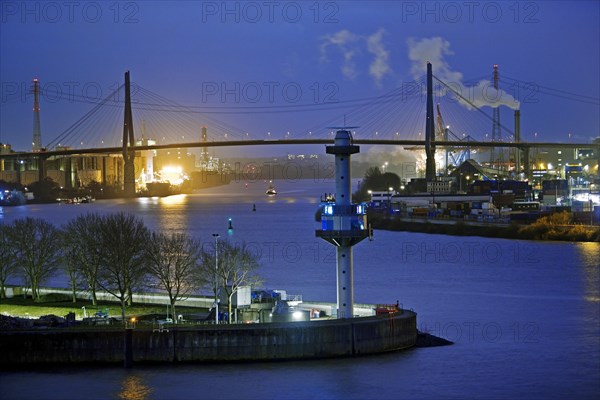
(216, 236)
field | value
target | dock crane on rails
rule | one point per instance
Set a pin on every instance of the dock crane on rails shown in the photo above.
(454, 156)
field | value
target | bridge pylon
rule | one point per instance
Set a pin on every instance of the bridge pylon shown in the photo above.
(37, 131)
(430, 129)
(128, 143)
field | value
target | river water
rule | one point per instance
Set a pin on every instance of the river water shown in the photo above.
(524, 316)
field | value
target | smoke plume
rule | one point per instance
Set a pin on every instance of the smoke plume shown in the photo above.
(435, 50)
(352, 45)
(380, 66)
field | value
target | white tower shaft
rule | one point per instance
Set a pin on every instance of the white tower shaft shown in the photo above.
(344, 223)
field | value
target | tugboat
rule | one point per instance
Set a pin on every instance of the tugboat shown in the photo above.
(271, 190)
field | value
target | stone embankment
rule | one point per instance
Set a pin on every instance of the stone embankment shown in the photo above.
(209, 343)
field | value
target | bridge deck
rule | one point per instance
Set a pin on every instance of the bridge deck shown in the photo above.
(233, 143)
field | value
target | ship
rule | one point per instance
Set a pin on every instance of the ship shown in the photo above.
(158, 189)
(271, 190)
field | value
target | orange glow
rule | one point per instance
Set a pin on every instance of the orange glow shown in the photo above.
(172, 174)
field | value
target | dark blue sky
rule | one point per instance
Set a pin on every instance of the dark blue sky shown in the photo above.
(298, 53)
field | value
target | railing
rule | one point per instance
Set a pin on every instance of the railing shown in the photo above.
(141, 298)
(385, 309)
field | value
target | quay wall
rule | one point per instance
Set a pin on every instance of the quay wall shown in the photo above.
(208, 343)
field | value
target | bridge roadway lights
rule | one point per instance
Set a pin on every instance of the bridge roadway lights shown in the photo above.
(344, 224)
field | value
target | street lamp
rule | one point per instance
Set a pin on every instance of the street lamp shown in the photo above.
(216, 236)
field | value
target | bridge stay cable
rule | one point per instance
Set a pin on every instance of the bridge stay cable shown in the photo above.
(380, 110)
(392, 115)
(163, 104)
(553, 92)
(472, 104)
(67, 133)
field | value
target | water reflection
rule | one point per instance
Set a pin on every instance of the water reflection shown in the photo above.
(171, 212)
(178, 199)
(589, 254)
(134, 388)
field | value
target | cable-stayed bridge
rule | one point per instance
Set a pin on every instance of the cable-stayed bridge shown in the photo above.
(396, 118)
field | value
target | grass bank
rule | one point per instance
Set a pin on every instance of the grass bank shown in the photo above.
(542, 229)
(57, 305)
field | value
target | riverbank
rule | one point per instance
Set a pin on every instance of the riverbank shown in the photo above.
(539, 230)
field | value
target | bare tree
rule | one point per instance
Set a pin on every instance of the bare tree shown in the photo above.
(8, 260)
(37, 249)
(173, 262)
(208, 267)
(71, 267)
(122, 262)
(84, 246)
(237, 267)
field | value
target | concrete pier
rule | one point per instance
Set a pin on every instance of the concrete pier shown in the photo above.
(210, 343)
